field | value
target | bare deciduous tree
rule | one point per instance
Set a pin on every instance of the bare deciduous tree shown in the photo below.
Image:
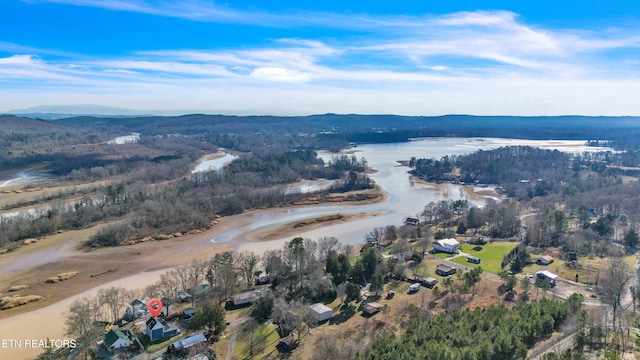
(253, 336)
(79, 322)
(114, 298)
(246, 262)
(613, 284)
(327, 244)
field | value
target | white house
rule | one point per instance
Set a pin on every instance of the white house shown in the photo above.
(548, 275)
(321, 312)
(450, 246)
(116, 339)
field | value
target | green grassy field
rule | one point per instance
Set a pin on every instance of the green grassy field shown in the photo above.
(269, 339)
(491, 255)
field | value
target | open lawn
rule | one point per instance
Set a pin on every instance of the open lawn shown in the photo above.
(587, 269)
(491, 255)
(264, 344)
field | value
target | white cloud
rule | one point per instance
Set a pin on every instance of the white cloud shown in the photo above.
(279, 74)
(474, 62)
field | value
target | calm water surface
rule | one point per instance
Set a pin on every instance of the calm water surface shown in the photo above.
(406, 198)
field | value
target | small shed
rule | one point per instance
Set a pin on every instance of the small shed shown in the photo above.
(544, 259)
(371, 308)
(445, 270)
(321, 312)
(189, 312)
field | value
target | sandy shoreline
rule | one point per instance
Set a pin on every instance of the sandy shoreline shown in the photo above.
(32, 264)
(133, 266)
(294, 227)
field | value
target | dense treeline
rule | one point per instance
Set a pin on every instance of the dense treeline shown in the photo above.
(495, 219)
(190, 203)
(503, 166)
(494, 333)
(588, 188)
(379, 128)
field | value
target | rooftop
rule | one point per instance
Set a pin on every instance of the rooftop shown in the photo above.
(449, 242)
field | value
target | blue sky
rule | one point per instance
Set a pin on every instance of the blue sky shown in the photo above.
(306, 57)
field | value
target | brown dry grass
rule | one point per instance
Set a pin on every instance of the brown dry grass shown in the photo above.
(360, 330)
(9, 302)
(62, 277)
(292, 228)
(64, 252)
(17, 288)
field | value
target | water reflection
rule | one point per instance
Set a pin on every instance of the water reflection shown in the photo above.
(214, 162)
(406, 196)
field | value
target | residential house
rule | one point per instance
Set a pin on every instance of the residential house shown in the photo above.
(159, 329)
(477, 241)
(246, 297)
(545, 275)
(428, 282)
(321, 312)
(136, 310)
(411, 221)
(263, 280)
(445, 270)
(450, 246)
(116, 339)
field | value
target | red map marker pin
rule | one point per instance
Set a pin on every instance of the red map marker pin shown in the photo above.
(155, 306)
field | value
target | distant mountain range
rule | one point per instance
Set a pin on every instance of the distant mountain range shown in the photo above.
(55, 112)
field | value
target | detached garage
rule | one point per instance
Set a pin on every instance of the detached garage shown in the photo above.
(321, 312)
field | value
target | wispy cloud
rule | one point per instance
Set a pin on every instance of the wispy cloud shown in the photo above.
(492, 61)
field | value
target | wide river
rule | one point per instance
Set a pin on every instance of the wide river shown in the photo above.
(405, 198)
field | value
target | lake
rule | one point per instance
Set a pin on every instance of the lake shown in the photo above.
(406, 197)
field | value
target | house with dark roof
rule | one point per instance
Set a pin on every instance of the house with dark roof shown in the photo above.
(159, 329)
(246, 297)
(445, 270)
